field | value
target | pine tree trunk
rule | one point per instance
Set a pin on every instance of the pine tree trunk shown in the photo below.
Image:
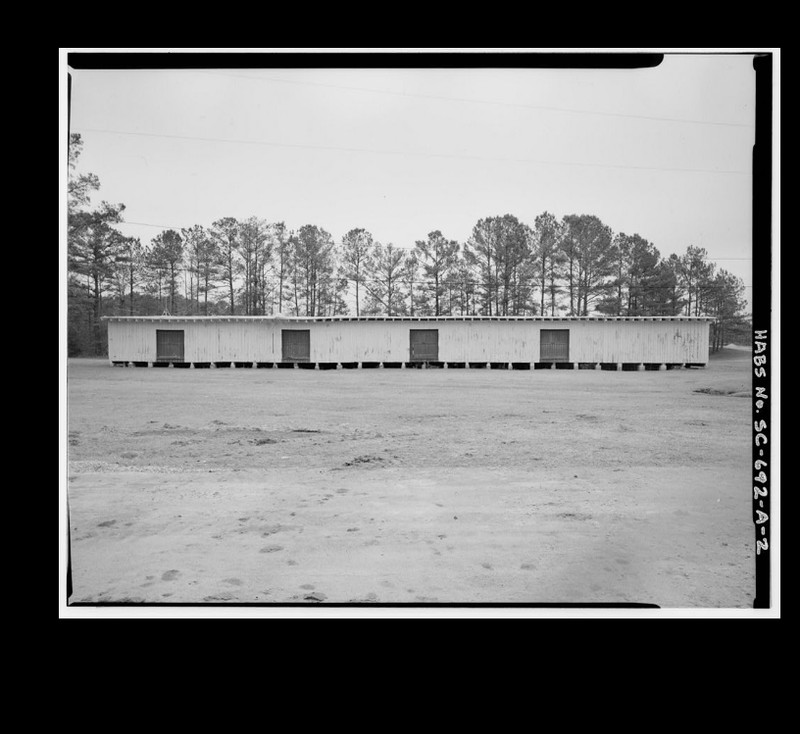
(230, 279)
(130, 307)
(280, 284)
(172, 289)
(571, 290)
(98, 340)
(488, 297)
(544, 283)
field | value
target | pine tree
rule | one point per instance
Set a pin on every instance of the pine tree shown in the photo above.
(225, 233)
(586, 245)
(384, 279)
(167, 252)
(436, 256)
(357, 247)
(546, 239)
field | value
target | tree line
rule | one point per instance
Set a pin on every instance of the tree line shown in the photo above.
(575, 265)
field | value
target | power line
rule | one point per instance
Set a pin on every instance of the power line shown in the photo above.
(147, 224)
(483, 284)
(519, 105)
(373, 151)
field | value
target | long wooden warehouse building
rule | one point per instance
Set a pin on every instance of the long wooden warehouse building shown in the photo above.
(399, 341)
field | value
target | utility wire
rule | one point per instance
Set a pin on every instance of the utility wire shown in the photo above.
(158, 226)
(519, 105)
(372, 151)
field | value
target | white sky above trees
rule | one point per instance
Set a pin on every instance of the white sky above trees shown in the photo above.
(664, 152)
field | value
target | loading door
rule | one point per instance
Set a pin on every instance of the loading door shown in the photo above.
(424, 345)
(169, 345)
(296, 345)
(554, 345)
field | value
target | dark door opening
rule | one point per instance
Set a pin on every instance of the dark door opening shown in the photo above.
(424, 345)
(554, 345)
(296, 345)
(169, 345)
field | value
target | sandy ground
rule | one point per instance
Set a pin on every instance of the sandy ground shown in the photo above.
(412, 487)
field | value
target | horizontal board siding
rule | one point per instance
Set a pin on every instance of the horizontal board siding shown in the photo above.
(389, 341)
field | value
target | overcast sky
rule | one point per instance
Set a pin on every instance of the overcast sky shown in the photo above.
(663, 152)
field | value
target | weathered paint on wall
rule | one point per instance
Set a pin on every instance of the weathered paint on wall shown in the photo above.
(639, 341)
(259, 339)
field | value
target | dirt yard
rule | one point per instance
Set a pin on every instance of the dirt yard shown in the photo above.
(266, 486)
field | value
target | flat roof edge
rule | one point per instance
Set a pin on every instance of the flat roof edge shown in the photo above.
(322, 319)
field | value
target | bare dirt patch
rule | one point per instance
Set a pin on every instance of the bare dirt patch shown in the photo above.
(733, 392)
(410, 486)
